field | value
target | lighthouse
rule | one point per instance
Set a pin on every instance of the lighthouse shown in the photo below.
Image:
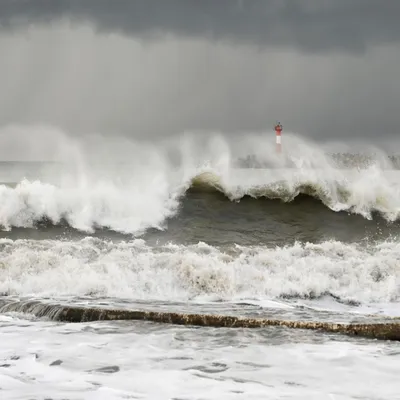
(278, 133)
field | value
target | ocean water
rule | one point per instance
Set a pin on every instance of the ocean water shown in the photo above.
(199, 226)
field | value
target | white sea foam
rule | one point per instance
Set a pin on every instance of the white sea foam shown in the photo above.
(134, 270)
(111, 360)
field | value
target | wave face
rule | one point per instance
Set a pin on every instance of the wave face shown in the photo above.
(361, 192)
(131, 187)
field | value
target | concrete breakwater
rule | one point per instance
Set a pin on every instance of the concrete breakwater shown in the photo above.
(77, 314)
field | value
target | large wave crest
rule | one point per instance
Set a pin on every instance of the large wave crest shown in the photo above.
(129, 187)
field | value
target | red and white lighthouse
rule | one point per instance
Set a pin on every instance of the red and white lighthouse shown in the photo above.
(278, 132)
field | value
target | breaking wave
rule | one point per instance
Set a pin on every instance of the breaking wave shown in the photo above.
(149, 204)
(361, 192)
(130, 187)
(133, 270)
(101, 205)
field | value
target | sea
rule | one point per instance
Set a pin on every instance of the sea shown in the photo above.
(197, 226)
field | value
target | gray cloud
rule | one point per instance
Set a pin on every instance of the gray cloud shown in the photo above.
(326, 69)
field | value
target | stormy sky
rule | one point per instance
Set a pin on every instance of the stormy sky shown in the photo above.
(326, 69)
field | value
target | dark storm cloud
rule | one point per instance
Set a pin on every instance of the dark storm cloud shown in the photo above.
(307, 25)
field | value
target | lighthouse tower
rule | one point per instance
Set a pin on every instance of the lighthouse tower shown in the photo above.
(278, 132)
